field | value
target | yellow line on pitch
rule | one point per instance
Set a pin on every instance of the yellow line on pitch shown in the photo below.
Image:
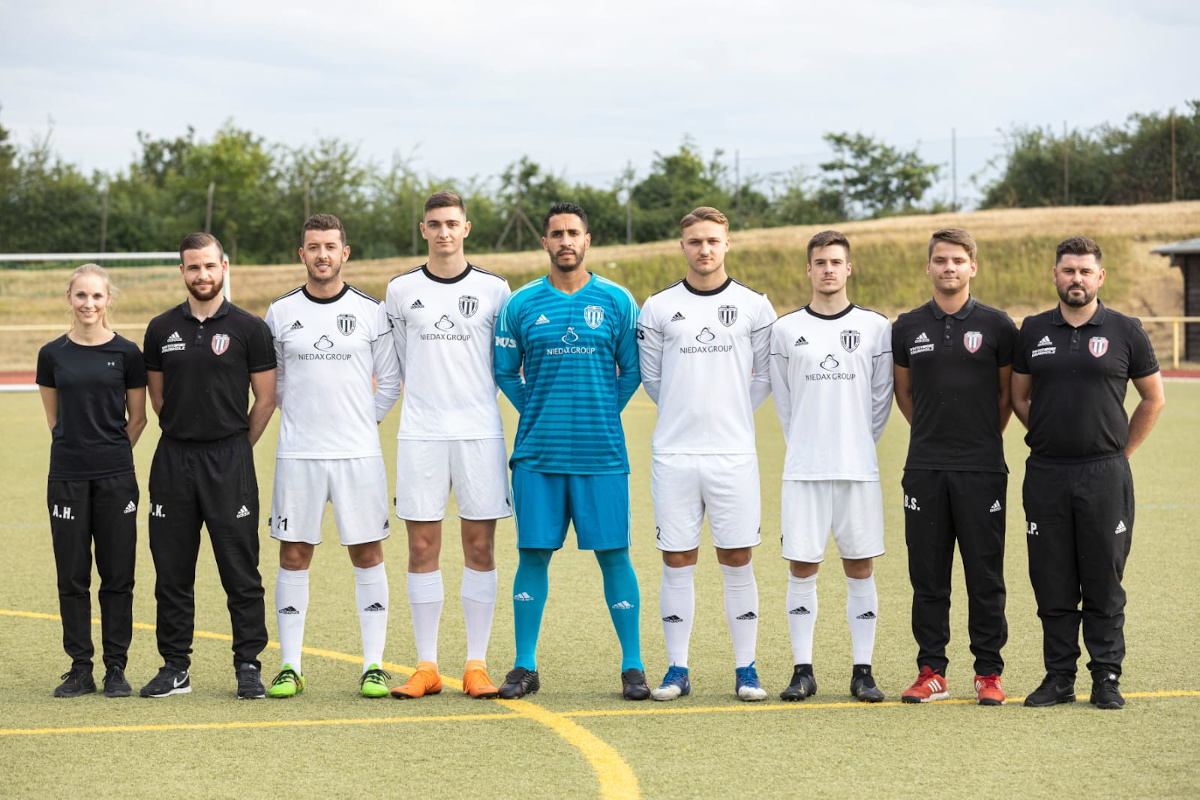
(617, 781)
(215, 726)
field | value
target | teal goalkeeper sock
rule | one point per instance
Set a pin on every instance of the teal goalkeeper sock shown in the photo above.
(624, 603)
(530, 586)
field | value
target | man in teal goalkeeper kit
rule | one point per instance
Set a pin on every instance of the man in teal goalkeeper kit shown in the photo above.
(574, 334)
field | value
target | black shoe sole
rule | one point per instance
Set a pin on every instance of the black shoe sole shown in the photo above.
(72, 695)
(989, 703)
(124, 691)
(1058, 701)
(1110, 706)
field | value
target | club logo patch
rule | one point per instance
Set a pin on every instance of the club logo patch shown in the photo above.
(220, 343)
(850, 340)
(593, 316)
(727, 315)
(972, 340)
(468, 305)
(1098, 346)
(346, 324)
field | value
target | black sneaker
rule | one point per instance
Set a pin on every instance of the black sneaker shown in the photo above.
(75, 683)
(520, 682)
(1105, 693)
(167, 682)
(862, 684)
(115, 684)
(1056, 688)
(803, 684)
(249, 681)
(633, 684)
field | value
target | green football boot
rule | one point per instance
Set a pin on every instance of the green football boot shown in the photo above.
(375, 682)
(288, 683)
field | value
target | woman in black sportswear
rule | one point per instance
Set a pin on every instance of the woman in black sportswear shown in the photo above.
(93, 387)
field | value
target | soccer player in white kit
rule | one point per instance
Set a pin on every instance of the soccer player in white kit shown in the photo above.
(331, 340)
(443, 318)
(706, 336)
(831, 373)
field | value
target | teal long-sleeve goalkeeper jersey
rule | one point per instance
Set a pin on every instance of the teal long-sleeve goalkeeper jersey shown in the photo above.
(580, 359)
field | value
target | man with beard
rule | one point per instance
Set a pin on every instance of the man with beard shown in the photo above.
(202, 358)
(331, 342)
(566, 356)
(1070, 374)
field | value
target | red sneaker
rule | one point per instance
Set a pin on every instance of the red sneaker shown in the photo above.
(928, 686)
(988, 691)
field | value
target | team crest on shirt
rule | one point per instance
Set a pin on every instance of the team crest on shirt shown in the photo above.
(727, 315)
(593, 316)
(850, 340)
(346, 324)
(972, 340)
(468, 305)
(1098, 346)
(220, 343)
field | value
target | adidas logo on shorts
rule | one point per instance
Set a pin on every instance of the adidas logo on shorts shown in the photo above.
(375, 607)
(678, 317)
(243, 512)
(624, 605)
(417, 304)
(174, 337)
(523, 597)
(672, 618)
(995, 507)
(867, 615)
(296, 326)
(288, 610)
(748, 616)
(922, 339)
(541, 320)
(800, 611)
(129, 509)
(1120, 527)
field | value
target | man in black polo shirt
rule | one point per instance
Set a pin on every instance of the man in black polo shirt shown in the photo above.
(1070, 373)
(952, 363)
(202, 357)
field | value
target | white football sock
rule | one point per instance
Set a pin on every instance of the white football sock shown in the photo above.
(479, 606)
(677, 604)
(741, 611)
(371, 592)
(425, 597)
(802, 616)
(291, 606)
(862, 608)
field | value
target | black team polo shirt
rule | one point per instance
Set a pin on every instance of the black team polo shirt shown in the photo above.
(1080, 376)
(954, 361)
(206, 370)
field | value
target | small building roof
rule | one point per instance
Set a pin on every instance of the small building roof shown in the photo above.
(1178, 251)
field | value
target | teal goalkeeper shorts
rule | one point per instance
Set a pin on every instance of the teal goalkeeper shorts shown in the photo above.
(545, 503)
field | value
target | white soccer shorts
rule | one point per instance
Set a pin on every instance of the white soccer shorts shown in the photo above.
(684, 486)
(357, 487)
(477, 469)
(853, 510)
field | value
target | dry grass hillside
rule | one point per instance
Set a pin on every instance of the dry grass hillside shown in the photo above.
(1016, 254)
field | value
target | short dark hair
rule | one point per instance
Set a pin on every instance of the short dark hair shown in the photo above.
(953, 236)
(825, 239)
(563, 208)
(323, 222)
(199, 241)
(445, 199)
(703, 214)
(1076, 246)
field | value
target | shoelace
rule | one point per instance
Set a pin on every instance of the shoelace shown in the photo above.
(989, 681)
(749, 676)
(287, 676)
(375, 676)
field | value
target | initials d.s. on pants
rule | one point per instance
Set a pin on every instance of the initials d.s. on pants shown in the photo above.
(1079, 526)
(214, 484)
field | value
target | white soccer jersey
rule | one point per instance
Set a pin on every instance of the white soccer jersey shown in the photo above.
(832, 379)
(327, 351)
(705, 359)
(443, 331)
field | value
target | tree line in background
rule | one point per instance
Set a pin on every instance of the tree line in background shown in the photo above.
(254, 195)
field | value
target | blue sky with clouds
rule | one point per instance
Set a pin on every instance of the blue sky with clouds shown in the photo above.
(464, 88)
